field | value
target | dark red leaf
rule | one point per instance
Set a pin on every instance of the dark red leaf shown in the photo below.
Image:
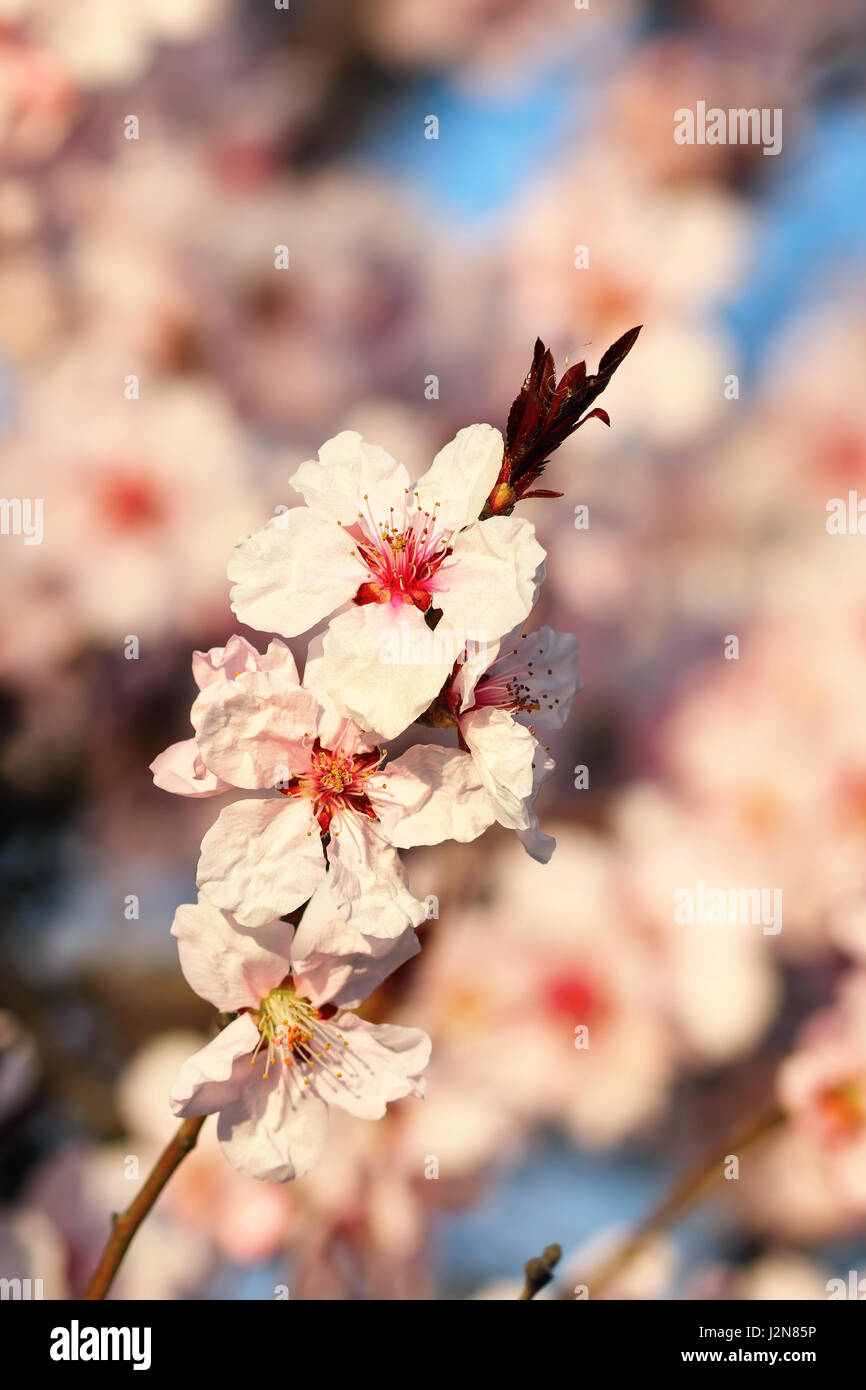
(545, 413)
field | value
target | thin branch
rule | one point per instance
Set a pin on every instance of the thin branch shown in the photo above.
(677, 1201)
(126, 1223)
(539, 1271)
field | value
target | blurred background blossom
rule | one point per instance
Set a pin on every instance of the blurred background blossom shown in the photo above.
(420, 273)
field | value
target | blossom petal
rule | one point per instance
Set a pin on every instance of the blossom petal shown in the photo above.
(334, 962)
(226, 963)
(176, 769)
(361, 860)
(352, 477)
(296, 571)
(223, 663)
(381, 1063)
(489, 582)
(432, 794)
(261, 859)
(275, 1128)
(382, 666)
(461, 477)
(554, 680)
(367, 881)
(503, 752)
(251, 731)
(347, 977)
(478, 658)
(335, 729)
(538, 845)
(215, 1075)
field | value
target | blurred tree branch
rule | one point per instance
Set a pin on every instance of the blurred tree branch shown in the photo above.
(125, 1225)
(692, 1186)
(539, 1271)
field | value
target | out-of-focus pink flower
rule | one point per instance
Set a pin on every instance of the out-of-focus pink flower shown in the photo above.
(141, 498)
(733, 745)
(491, 45)
(604, 247)
(37, 100)
(542, 999)
(103, 44)
(789, 1192)
(823, 1086)
(31, 1251)
(717, 985)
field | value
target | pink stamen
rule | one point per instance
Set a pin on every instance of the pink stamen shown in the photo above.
(512, 685)
(402, 557)
(336, 781)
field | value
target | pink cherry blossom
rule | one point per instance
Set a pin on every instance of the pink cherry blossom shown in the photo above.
(102, 44)
(507, 986)
(823, 1085)
(263, 731)
(272, 1075)
(180, 768)
(497, 695)
(387, 555)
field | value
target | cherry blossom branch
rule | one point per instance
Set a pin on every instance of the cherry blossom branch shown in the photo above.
(125, 1224)
(689, 1189)
(539, 1271)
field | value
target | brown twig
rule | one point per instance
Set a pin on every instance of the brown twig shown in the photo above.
(125, 1224)
(539, 1271)
(680, 1197)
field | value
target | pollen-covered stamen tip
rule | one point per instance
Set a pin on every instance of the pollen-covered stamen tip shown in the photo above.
(510, 686)
(292, 1031)
(336, 781)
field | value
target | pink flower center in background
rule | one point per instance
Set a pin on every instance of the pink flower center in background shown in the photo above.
(336, 781)
(129, 501)
(842, 1108)
(402, 556)
(842, 458)
(573, 995)
(853, 789)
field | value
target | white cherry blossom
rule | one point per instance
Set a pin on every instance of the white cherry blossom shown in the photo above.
(327, 805)
(409, 571)
(499, 693)
(272, 1074)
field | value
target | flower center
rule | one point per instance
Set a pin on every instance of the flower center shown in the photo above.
(843, 1107)
(574, 994)
(402, 556)
(336, 781)
(516, 682)
(293, 1032)
(509, 692)
(128, 500)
